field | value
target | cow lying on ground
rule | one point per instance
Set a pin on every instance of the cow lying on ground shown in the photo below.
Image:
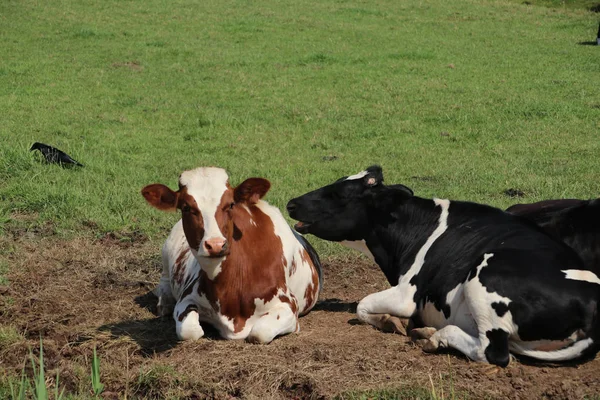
(575, 222)
(480, 280)
(232, 260)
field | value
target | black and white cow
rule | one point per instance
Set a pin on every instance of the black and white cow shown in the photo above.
(575, 222)
(480, 280)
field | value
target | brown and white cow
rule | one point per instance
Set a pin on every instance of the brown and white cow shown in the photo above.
(232, 260)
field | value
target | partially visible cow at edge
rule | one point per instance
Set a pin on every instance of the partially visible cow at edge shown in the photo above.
(480, 280)
(575, 222)
(232, 260)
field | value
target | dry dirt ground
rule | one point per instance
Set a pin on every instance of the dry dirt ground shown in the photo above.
(86, 292)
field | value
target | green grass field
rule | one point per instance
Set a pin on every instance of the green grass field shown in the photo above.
(460, 99)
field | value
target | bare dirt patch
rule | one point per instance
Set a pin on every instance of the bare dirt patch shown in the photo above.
(95, 292)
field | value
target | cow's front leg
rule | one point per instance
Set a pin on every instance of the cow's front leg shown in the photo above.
(280, 320)
(187, 321)
(388, 310)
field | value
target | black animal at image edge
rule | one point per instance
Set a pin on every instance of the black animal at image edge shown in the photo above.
(526, 286)
(54, 155)
(573, 221)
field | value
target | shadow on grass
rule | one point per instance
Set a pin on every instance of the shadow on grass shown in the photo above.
(590, 43)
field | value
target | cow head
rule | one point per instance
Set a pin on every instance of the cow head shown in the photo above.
(342, 210)
(207, 203)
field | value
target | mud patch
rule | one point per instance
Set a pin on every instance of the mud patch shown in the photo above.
(88, 293)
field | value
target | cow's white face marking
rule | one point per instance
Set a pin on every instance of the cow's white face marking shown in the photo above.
(359, 245)
(206, 185)
(416, 266)
(581, 275)
(360, 175)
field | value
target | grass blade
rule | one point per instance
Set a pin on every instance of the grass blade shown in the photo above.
(97, 387)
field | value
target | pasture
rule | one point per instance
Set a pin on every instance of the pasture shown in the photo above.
(469, 99)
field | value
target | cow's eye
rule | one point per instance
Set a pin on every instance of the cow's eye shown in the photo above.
(231, 206)
(185, 208)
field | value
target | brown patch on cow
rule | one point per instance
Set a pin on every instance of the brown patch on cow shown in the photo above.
(293, 267)
(224, 214)
(191, 218)
(180, 265)
(291, 301)
(252, 271)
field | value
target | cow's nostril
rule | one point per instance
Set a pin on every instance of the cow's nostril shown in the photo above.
(208, 246)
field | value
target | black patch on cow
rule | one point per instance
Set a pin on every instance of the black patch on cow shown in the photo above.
(185, 312)
(501, 308)
(497, 351)
(575, 222)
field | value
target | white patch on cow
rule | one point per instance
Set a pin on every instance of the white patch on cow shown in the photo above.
(360, 175)
(253, 222)
(404, 285)
(581, 275)
(470, 337)
(460, 314)
(480, 302)
(359, 245)
(399, 300)
(206, 185)
(415, 268)
(211, 266)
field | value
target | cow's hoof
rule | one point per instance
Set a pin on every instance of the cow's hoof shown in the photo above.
(427, 345)
(191, 333)
(189, 328)
(256, 339)
(422, 333)
(395, 325)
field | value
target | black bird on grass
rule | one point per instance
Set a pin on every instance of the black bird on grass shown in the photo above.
(54, 155)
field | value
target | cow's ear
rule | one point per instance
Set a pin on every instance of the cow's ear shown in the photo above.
(387, 198)
(374, 176)
(251, 190)
(161, 197)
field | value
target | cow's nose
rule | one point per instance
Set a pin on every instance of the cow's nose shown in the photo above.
(216, 245)
(291, 206)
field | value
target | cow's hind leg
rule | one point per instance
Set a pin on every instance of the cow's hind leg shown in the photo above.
(166, 301)
(492, 347)
(279, 320)
(187, 321)
(387, 310)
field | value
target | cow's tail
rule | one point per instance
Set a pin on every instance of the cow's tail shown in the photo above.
(313, 256)
(577, 350)
(583, 348)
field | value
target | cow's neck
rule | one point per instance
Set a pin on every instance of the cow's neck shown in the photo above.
(400, 240)
(211, 266)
